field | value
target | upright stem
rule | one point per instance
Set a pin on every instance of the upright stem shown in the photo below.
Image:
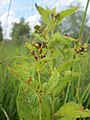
(40, 111)
(83, 21)
(80, 35)
(67, 92)
(39, 77)
(52, 104)
(78, 88)
(40, 99)
(52, 67)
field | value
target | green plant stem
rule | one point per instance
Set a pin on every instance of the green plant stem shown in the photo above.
(78, 87)
(80, 35)
(52, 104)
(67, 92)
(83, 21)
(77, 95)
(85, 92)
(40, 110)
(39, 78)
(87, 95)
(52, 95)
(52, 67)
(40, 99)
(88, 102)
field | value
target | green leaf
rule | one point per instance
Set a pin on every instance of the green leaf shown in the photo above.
(28, 103)
(68, 64)
(67, 118)
(44, 14)
(70, 39)
(22, 71)
(56, 83)
(53, 81)
(29, 46)
(46, 113)
(54, 11)
(68, 12)
(58, 41)
(63, 82)
(72, 110)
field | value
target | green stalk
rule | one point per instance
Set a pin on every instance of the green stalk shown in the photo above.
(39, 78)
(40, 99)
(40, 111)
(87, 95)
(52, 67)
(78, 86)
(67, 92)
(52, 104)
(80, 35)
(85, 92)
(83, 21)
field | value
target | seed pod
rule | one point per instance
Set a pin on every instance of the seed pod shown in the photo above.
(28, 81)
(81, 53)
(42, 56)
(36, 45)
(38, 86)
(80, 49)
(44, 44)
(32, 52)
(57, 16)
(40, 44)
(36, 57)
(45, 61)
(85, 50)
(40, 50)
(67, 35)
(33, 43)
(77, 50)
(36, 27)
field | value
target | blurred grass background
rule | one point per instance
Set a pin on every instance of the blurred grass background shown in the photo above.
(8, 83)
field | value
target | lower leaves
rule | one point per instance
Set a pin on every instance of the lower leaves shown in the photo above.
(71, 111)
(28, 104)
